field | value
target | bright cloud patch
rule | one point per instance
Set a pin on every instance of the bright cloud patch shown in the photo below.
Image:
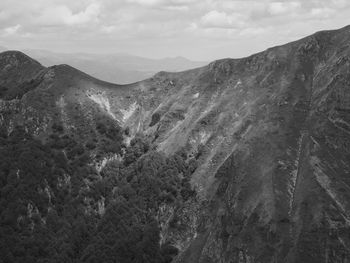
(222, 20)
(89, 14)
(145, 2)
(63, 15)
(280, 8)
(322, 13)
(12, 30)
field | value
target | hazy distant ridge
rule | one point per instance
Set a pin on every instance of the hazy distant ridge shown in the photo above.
(117, 68)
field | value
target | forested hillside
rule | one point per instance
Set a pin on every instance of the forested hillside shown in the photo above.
(55, 207)
(243, 160)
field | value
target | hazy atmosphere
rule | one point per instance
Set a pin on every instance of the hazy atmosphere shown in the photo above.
(196, 29)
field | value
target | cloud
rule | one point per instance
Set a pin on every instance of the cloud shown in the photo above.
(107, 29)
(172, 5)
(241, 6)
(15, 31)
(58, 15)
(162, 2)
(322, 13)
(339, 3)
(216, 19)
(177, 8)
(253, 31)
(145, 2)
(12, 30)
(226, 27)
(4, 15)
(280, 8)
(91, 13)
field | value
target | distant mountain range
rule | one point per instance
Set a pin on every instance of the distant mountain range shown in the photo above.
(117, 68)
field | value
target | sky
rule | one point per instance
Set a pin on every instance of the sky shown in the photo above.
(197, 29)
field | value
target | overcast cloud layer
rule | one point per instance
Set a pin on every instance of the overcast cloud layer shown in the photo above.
(197, 29)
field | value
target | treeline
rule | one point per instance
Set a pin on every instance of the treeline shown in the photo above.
(55, 207)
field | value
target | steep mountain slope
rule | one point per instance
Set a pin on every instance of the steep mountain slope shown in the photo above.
(60, 93)
(18, 74)
(270, 134)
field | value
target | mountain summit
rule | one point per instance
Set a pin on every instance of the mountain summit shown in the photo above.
(269, 134)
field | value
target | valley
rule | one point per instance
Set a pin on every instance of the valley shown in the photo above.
(242, 160)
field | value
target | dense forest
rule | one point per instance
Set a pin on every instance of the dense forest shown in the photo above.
(57, 207)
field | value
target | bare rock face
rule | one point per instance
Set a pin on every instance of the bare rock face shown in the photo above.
(271, 134)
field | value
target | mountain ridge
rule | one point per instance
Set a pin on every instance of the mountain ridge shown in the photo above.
(269, 134)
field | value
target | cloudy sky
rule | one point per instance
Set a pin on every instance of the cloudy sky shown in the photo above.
(196, 29)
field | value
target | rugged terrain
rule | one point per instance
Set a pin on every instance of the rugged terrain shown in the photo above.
(270, 135)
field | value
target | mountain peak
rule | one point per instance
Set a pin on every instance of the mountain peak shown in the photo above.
(16, 58)
(17, 70)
